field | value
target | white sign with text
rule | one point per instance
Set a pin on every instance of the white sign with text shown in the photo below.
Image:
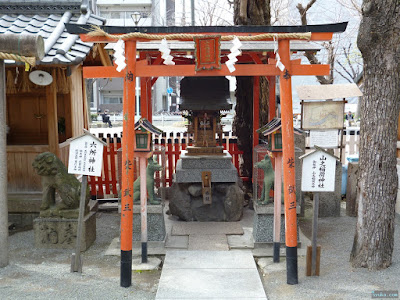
(318, 173)
(85, 156)
(324, 138)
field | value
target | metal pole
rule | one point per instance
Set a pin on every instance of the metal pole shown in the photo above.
(314, 235)
(193, 20)
(127, 164)
(289, 179)
(3, 171)
(277, 205)
(143, 207)
(76, 263)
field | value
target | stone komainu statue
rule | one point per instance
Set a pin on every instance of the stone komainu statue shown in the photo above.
(56, 178)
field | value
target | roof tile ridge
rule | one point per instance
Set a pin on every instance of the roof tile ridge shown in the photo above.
(52, 39)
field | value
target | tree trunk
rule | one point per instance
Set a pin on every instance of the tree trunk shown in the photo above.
(254, 12)
(378, 41)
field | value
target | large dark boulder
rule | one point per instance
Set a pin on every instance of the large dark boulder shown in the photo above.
(186, 202)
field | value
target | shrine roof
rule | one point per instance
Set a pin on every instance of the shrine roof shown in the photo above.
(61, 47)
(205, 93)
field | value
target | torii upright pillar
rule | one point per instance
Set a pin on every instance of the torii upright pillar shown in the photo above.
(289, 179)
(127, 164)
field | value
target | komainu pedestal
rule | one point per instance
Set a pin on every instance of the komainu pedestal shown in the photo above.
(61, 232)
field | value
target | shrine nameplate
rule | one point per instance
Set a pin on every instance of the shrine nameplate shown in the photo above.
(208, 52)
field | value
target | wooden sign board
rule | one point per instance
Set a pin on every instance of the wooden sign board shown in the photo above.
(318, 173)
(322, 115)
(206, 187)
(324, 138)
(85, 155)
(208, 52)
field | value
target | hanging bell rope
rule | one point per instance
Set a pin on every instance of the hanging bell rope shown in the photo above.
(97, 31)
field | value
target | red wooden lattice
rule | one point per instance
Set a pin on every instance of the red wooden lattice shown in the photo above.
(108, 183)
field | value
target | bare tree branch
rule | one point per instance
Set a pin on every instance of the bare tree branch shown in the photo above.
(311, 55)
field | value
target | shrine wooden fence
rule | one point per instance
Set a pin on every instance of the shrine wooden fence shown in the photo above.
(108, 184)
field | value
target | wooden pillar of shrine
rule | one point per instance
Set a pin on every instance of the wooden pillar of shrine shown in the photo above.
(289, 180)
(127, 164)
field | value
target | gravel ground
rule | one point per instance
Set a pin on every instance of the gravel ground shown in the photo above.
(45, 273)
(338, 279)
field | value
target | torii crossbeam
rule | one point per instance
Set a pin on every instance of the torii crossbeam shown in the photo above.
(147, 65)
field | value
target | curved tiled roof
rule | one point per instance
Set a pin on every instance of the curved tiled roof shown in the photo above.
(61, 47)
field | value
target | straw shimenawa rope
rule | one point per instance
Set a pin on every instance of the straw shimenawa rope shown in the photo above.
(97, 31)
(29, 60)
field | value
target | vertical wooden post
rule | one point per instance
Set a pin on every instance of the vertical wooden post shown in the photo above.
(314, 235)
(272, 97)
(52, 121)
(149, 102)
(3, 171)
(127, 164)
(289, 179)
(143, 207)
(256, 109)
(277, 205)
(76, 263)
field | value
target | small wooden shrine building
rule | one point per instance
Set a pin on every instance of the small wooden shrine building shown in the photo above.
(39, 118)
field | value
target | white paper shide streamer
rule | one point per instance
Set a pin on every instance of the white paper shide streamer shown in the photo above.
(279, 64)
(166, 53)
(119, 55)
(234, 53)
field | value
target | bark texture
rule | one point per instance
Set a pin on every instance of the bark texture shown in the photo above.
(379, 43)
(254, 12)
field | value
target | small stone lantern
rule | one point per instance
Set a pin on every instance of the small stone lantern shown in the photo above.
(273, 131)
(143, 131)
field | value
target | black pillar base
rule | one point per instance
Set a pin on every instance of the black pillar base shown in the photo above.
(144, 253)
(277, 247)
(126, 268)
(291, 265)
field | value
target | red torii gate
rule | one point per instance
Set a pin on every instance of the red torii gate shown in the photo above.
(148, 68)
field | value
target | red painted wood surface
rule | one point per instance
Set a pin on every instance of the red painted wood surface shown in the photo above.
(289, 179)
(109, 186)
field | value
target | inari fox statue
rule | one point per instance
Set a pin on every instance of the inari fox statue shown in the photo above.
(269, 178)
(152, 167)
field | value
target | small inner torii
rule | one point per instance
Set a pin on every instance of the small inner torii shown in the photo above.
(149, 70)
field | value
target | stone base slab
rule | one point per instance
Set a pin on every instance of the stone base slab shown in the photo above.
(263, 225)
(155, 223)
(223, 161)
(195, 150)
(61, 233)
(194, 175)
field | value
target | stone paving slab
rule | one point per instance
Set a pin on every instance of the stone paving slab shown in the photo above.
(187, 228)
(153, 248)
(243, 241)
(208, 242)
(210, 275)
(177, 241)
(208, 260)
